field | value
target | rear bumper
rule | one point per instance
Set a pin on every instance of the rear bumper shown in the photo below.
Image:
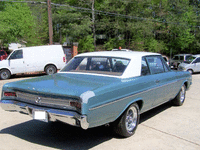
(69, 117)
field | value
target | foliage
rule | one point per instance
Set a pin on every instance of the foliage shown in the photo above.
(73, 24)
(40, 20)
(16, 23)
(86, 44)
(156, 46)
(143, 25)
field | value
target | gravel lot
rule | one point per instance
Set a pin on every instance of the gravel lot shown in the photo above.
(165, 127)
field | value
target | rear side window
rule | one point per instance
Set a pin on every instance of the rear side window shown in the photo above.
(155, 64)
(182, 58)
(144, 67)
(176, 58)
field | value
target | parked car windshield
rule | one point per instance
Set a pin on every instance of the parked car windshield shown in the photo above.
(99, 65)
(189, 59)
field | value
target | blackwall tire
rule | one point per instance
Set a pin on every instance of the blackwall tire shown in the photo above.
(126, 125)
(5, 74)
(180, 98)
(51, 69)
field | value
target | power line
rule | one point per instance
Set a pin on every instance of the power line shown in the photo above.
(32, 2)
(105, 13)
(124, 16)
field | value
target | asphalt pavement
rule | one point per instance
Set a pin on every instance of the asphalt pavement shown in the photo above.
(164, 128)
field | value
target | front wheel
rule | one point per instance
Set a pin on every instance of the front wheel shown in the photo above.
(128, 122)
(180, 98)
(5, 74)
(190, 71)
(51, 69)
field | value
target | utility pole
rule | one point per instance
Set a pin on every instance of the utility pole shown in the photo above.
(93, 22)
(50, 22)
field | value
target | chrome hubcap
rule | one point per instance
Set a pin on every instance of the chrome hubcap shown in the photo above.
(131, 119)
(4, 75)
(50, 71)
(182, 94)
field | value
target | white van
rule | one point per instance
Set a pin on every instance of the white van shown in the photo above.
(48, 58)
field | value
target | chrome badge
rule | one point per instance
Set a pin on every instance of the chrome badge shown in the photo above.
(38, 99)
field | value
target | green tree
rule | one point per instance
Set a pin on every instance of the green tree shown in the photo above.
(16, 23)
(40, 20)
(73, 23)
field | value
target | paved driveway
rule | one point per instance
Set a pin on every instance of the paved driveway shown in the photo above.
(165, 127)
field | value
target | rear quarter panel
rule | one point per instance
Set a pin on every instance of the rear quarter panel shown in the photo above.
(111, 101)
(184, 77)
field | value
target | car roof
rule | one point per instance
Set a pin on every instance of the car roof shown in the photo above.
(122, 54)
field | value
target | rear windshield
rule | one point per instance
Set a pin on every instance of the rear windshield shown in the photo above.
(99, 65)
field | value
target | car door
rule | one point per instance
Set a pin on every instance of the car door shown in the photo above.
(16, 62)
(163, 79)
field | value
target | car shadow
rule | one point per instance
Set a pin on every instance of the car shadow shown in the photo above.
(27, 75)
(196, 73)
(155, 111)
(59, 135)
(62, 136)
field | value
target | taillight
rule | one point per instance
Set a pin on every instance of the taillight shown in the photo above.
(64, 59)
(10, 94)
(75, 104)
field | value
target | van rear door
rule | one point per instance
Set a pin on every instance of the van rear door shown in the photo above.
(16, 62)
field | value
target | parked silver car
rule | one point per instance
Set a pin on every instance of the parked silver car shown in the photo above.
(178, 59)
(192, 64)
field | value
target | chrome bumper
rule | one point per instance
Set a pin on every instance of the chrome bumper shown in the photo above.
(69, 117)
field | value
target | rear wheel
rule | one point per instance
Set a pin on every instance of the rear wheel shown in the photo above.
(50, 69)
(5, 74)
(180, 98)
(128, 122)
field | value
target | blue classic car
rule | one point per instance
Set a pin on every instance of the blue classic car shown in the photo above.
(98, 88)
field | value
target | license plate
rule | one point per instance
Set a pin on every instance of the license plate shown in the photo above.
(40, 115)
